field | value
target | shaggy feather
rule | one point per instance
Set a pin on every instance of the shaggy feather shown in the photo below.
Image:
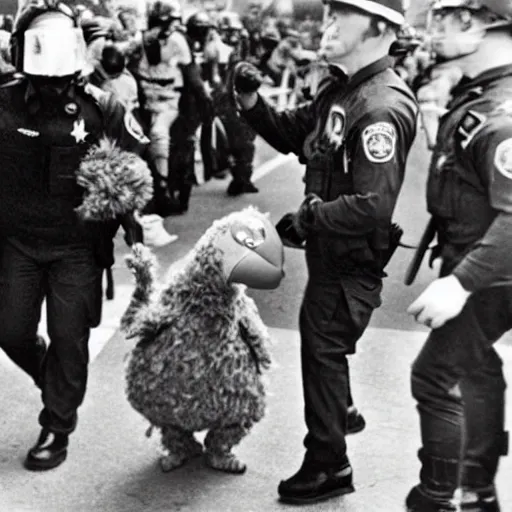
(115, 182)
(201, 349)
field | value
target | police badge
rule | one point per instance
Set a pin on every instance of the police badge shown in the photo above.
(379, 142)
(335, 127)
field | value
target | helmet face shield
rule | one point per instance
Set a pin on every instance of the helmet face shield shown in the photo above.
(48, 52)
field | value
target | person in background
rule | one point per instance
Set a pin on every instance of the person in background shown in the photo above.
(240, 136)
(354, 137)
(159, 70)
(195, 110)
(253, 23)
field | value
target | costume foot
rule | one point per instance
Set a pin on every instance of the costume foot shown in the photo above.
(314, 482)
(355, 421)
(49, 452)
(225, 462)
(173, 460)
(420, 501)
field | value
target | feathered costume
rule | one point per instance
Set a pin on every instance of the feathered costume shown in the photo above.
(201, 344)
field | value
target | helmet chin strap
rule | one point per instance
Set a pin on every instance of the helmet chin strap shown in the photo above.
(52, 87)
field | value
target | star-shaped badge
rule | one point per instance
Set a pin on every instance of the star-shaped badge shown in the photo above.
(79, 132)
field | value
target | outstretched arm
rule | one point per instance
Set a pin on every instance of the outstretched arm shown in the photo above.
(142, 263)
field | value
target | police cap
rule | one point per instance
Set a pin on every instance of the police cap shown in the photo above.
(391, 10)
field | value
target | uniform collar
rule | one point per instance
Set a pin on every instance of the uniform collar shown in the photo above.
(363, 74)
(478, 82)
(33, 99)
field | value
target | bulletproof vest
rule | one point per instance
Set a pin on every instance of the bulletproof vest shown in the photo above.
(327, 151)
(457, 191)
(42, 148)
(160, 75)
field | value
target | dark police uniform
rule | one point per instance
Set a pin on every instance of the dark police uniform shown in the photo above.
(195, 108)
(240, 135)
(354, 138)
(45, 250)
(469, 195)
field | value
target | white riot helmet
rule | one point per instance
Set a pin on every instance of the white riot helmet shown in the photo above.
(47, 40)
(497, 15)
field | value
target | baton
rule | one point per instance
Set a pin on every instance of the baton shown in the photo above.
(414, 266)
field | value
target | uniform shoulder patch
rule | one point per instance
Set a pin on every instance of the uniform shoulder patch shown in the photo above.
(134, 128)
(469, 126)
(379, 142)
(503, 158)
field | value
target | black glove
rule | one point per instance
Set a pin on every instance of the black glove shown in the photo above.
(132, 229)
(247, 78)
(288, 234)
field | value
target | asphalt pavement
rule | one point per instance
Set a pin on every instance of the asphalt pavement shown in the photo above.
(113, 467)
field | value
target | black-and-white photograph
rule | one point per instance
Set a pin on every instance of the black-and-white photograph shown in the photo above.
(255, 255)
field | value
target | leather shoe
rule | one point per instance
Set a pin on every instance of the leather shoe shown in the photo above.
(355, 421)
(49, 452)
(236, 188)
(479, 501)
(314, 482)
(420, 501)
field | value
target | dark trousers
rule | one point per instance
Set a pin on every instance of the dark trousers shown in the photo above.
(335, 311)
(458, 382)
(240, 137)
(70, 280)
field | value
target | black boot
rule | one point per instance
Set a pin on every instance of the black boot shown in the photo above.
(316, 482)
(355, 421)
(439, 480)
(49, 452)
(482, 501)
(419, 501)
(184, 197)
(165, 203)
(236, 188)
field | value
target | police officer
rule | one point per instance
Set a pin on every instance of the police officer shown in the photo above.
(457, 378)
(159, 71)
(195, 108)
(354, 138)
(48, 122)
(240, 136)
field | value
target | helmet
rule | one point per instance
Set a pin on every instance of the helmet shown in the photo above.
(229, 21)
(163, 12)
(500, 8)
(391, 10)
(47, 40)
(198, 27)
(230, 27)
(458, 44)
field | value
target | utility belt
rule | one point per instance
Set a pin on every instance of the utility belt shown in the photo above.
(162, 82)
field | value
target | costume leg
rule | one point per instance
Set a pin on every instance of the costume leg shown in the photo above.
(180, 445)
(458, 365)
(218, 444)
(334, 313)
(21, 296)
(74, 302)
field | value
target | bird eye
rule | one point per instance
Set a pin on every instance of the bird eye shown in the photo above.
(250, 233)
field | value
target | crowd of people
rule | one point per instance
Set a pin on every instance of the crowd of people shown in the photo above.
(171, 71)
(181, 82)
